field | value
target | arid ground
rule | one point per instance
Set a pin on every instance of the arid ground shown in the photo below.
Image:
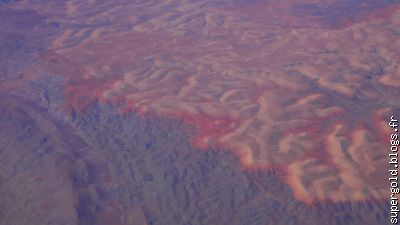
(213, 112)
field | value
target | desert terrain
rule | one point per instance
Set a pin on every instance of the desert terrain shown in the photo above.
(197, 112)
